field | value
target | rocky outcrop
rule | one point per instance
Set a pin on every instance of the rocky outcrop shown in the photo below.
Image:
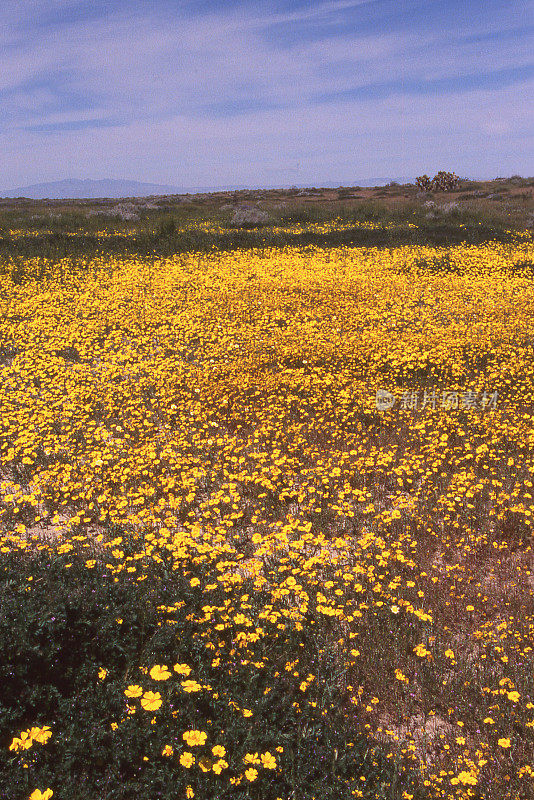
(249, 217)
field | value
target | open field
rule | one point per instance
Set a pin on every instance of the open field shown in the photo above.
(225, 572)
(181, 223)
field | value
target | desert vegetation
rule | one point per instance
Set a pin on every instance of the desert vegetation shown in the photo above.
(442, 181)
(226, 573)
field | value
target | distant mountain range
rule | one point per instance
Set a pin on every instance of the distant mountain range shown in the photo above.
(75, 189)
(81, 189)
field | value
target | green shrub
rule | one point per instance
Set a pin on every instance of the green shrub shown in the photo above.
(74, 638)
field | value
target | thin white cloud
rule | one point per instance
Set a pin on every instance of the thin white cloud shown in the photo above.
(313, 12)
(67, 117)
(167, 81)
(348, 143)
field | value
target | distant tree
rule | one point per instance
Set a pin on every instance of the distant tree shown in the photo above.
(424, 183)
(441, 182)
(445, 181)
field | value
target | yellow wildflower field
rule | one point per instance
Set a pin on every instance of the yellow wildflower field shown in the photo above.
(217, 415)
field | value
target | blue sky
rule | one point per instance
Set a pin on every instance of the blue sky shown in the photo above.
(265, 92)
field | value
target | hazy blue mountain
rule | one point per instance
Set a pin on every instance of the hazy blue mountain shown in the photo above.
(79, 189)
(75, 189)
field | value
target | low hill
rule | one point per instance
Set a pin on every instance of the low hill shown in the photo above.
(78, 189)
